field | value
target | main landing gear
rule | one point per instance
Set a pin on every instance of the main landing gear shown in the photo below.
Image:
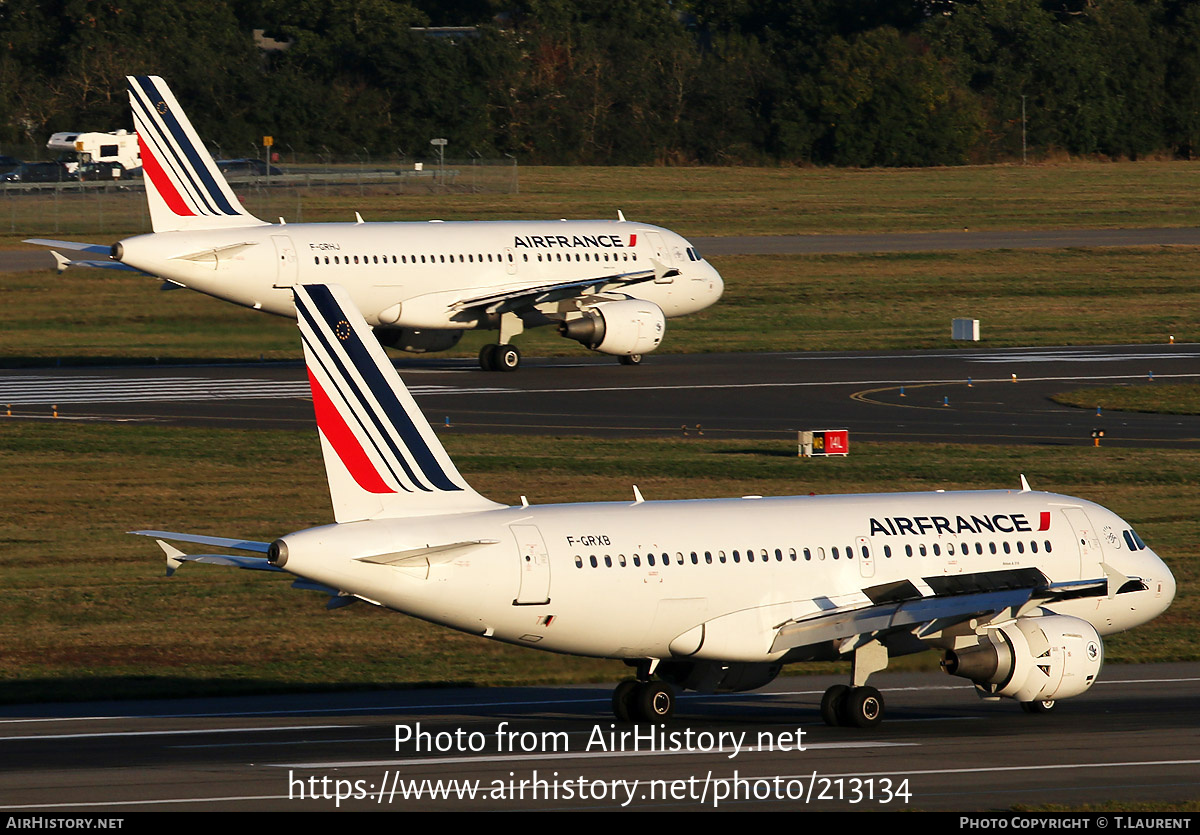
(499, 358)
(857, 706)
(643, 701)
(852, 707)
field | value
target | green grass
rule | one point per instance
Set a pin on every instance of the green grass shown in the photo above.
(87, 612)
(1156, 398)
(712, 201)
(771, 303)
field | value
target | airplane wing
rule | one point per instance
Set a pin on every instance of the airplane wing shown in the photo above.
(62, 262)
(902, 607)
(507, 300)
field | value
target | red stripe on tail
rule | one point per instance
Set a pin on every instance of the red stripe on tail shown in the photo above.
(347, 447)
(162, 183)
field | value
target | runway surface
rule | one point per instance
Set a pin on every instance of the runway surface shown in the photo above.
(1130, 739)
(965, 395)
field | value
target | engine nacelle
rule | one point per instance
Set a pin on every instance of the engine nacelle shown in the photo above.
(712, 677)
(418, 340)
(622, 328)
(1032, 659)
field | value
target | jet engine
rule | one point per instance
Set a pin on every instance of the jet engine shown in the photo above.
(1032, 659)
(624, 328)
(712, 677)
(418, 340)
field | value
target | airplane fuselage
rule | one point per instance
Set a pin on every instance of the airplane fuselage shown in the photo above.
(412, 274)
(715, 579)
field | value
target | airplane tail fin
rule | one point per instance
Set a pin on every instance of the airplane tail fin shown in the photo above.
(381, 456)
(184, 187)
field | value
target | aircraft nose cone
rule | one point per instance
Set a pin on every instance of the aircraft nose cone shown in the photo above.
(716, 283)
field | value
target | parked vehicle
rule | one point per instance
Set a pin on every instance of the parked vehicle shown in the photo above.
(76, 149)
(38, 172)
(106, 171)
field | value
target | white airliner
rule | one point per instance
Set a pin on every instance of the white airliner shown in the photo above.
(610, 285)
(1016, 588)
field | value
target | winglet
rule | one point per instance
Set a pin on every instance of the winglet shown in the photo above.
(1024, 484)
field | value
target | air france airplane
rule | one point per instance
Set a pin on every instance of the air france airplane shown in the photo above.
(1016, 588)
(610, 285)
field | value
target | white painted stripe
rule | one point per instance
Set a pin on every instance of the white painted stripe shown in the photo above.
(179, 732)
(581, 755)
(449, 707)
(804, 776)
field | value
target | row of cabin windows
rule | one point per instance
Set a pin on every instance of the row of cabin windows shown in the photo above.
(764, 556)
(469, 258)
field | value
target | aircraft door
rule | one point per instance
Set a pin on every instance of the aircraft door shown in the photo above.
(510, 261)
(1088, 540)
(865, 557)
(659, 248)
(285, 260)
(535, 566)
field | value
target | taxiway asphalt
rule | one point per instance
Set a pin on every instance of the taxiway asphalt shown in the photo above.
(971, 395)
(1128, 740)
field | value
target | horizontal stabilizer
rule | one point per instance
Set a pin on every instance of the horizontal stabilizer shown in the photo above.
(432, 553)
(199, 539)
(176, 558)
(74, 246)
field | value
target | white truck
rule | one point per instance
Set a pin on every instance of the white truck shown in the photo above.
(98, 150)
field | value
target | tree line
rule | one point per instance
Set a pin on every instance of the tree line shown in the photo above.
(837, 82)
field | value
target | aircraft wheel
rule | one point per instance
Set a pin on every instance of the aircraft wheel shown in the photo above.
(863, 708)
(1040, 706)
(831, 704)
(631, 359)
(653, 701)
(508, 358)
(487, 357)
(623, 700)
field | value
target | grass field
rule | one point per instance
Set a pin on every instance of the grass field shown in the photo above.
(712, 201)
(88, 613)
(1155, 398)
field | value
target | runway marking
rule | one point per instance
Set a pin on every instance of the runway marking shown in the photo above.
(889, 773)
(581, 755)
(1079, 356)
(45, 390)
(443, 706)
(182, 732)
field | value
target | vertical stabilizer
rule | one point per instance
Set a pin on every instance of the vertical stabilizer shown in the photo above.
(381, 455)
(183, 185)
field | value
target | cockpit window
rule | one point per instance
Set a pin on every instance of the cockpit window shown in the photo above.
(1133, 540)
